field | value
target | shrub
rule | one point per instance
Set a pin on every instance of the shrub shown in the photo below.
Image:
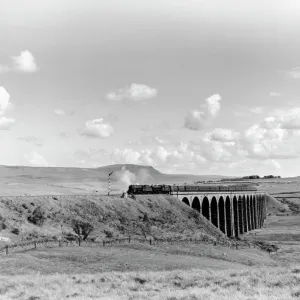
(15, 231)
(82, 229)
(108, 233)
(3, 225)
(37, 217)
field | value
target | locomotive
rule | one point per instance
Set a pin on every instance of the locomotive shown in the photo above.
(136, 189)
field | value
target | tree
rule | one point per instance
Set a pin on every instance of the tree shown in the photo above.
(82, 229)
(37, 217)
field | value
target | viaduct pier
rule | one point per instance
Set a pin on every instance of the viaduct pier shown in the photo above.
(234, 213)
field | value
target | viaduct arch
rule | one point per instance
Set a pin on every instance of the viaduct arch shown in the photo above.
(233, 213)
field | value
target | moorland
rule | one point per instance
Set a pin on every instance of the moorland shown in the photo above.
(178, 271)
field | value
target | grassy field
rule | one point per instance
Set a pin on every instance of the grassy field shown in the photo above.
(133, 257)
(246, 284)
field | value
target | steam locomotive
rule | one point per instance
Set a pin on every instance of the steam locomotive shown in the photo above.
(173, 189)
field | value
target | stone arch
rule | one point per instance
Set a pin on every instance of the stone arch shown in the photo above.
(251, 212)
(235, 217)
(255, 211)
(228, 215)
(248, 213)
(196, 204)
(259, 210)
(205, 208)
(186, 201)
(240, 212)
(214, 211)
(222, 215)
(245, 214)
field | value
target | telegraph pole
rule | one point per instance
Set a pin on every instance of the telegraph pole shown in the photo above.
(109, 182)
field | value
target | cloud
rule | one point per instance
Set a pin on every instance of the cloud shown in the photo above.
(199, 119)
(4, 100)
(36, 160)
(223, 135)
(25, 62)
(213, 104)
(59, 112)
(127, 156)
(195, 120)
(98, 129)
(134, 92)
(294, 73)
(6, 123)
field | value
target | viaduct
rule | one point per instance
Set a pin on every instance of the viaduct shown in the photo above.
(234, 213)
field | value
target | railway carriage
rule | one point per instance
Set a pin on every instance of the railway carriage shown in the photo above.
(174, 189)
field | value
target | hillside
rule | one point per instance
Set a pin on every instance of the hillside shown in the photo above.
(111, 217)
(20, 180)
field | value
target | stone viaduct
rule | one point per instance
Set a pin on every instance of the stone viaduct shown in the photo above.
(234, 213)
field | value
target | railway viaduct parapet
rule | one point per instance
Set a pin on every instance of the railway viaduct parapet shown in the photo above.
(234, 213)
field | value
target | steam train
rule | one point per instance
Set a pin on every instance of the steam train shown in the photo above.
(173, 189)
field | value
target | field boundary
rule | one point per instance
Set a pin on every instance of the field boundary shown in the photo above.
(40, 244)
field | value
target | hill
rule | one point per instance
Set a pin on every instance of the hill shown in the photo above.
(111, 217)
(19, 180)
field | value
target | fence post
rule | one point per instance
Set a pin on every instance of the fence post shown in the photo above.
(129, 240)
(103, 243)
(79, 242)
(59, 244)
(6, 249)
(34, 245)
(150, 241)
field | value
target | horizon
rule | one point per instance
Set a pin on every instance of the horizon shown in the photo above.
(144, 166)
(186, 86)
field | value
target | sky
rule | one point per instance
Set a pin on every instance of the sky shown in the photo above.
(186, 86)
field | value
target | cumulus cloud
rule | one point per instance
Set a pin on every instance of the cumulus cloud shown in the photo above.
(6, 123)
(36, 160)
(213, 104)
(25, 62)
(4, 100)
(98, 128)
(195, 120)
(128, 156)
(134, 92)
(59, 112)
(198, 119)
(223, 135)
(294, 73)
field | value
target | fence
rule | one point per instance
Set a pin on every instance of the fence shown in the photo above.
(40, 244)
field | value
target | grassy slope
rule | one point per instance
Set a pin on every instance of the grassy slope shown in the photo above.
(168, 217)
(258, 283)
(133, 257)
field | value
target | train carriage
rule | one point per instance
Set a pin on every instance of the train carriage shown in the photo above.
(174, 189)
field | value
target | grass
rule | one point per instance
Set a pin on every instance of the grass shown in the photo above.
(133, 257)
(168, 217)
(258, 283)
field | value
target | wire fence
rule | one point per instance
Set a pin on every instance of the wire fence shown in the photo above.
(42, 244)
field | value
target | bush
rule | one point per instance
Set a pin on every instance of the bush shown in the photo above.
(3, 226)
(82, 229)
(37, 217)
(108, 233)
(15, 231)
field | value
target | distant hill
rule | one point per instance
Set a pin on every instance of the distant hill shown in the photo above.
(18, 180)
